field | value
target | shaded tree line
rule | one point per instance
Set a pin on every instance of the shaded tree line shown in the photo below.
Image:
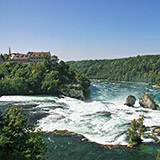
(136, 69)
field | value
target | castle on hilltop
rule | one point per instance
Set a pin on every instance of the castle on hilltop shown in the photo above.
(25, 58)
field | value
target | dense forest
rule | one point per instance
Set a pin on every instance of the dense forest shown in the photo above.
(136, 69)
(40, 78)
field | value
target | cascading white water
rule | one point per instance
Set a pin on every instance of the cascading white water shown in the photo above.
(104, 119)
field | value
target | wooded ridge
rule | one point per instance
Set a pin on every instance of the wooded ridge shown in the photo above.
(135, 69)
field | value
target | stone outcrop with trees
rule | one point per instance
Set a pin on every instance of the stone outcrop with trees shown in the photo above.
(135, 131)
(50, 77)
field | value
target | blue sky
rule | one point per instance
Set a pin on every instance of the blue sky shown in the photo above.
(81, 29)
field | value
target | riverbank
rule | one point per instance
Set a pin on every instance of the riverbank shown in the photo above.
(103, 80)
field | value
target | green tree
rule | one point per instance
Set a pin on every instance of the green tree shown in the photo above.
(54, 59)
(46, 62)
(18, 138)
(136, 131)
(6, 56)
(84, 84)
(50, 82)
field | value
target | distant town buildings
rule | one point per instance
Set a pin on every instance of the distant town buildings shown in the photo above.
(25, 58)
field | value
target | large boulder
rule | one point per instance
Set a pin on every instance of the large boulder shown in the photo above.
(130, 100)
(147, 102)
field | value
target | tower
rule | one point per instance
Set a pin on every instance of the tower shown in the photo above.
(10, 51)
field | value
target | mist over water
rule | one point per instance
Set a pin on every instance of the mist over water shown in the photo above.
(104, 119)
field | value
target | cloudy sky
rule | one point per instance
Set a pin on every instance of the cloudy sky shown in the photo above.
(81, 29)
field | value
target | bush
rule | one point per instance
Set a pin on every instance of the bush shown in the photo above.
(18, 139)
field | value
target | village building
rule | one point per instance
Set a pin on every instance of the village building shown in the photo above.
(38, 56)
(19, 58)
(25, 58)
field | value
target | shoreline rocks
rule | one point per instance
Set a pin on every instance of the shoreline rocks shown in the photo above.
(67, 133)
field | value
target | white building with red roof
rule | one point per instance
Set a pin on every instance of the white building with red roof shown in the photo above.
(29, 57)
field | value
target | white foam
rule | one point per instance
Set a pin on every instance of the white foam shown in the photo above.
(25, 98)
(104, 121)
(84, 118)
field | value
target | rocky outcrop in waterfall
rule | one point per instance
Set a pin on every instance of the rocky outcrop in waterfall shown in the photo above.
(130, 100)
(147, 102)
(74, 92)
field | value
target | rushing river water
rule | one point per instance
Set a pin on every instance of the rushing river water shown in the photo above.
(104, 119)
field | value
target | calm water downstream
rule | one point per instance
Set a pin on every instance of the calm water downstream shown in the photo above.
(104, 119)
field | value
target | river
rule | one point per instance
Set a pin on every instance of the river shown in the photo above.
(103, 119)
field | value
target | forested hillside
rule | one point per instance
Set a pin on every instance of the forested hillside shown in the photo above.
(136, 69)
(40, 78)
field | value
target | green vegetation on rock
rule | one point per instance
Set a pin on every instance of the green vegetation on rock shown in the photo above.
(135, 69)
(136, 131)
(41, 78)
(61, 132)
(18, 139)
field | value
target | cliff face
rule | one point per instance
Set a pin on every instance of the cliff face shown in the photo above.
(74, 93)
